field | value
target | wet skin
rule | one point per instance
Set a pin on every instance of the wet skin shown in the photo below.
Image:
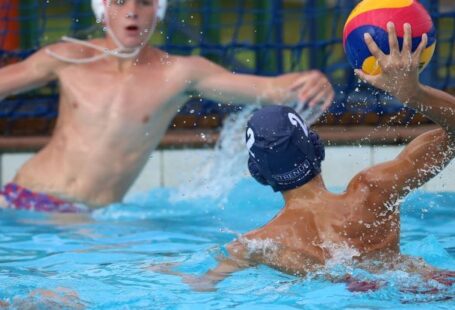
(113, 113)
(365, 219)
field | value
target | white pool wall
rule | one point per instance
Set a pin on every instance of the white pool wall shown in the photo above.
(170, 168)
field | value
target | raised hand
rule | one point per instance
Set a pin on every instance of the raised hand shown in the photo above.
(400, 69)
(313, 87)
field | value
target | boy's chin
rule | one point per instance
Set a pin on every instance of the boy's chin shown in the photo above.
(133, 45)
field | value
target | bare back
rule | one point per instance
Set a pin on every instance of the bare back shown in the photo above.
(364, 222)
(308, 232)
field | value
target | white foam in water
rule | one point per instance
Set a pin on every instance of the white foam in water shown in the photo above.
(340, 254)
(217, 176)
(226, 167)
(265, 247)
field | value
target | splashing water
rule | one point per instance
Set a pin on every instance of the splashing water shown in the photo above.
(265, 247)
(340, 254)
(216, 177)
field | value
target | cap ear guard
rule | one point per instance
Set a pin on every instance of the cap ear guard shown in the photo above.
(99, 9)
(254, 171)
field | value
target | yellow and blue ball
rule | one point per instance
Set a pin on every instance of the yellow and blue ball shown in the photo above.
(372, 16)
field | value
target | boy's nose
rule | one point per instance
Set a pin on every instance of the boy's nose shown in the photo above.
(132, 9)
(132, 15)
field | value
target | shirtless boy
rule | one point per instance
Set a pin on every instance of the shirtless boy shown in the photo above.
(286, 155)
(117, 98)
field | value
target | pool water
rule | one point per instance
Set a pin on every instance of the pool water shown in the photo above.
(103, 263)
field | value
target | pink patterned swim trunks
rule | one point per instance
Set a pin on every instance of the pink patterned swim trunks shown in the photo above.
(20, 198)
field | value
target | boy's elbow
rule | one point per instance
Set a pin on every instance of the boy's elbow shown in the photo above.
(446, 141)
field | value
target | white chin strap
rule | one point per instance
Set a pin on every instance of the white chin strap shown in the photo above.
(121, 51)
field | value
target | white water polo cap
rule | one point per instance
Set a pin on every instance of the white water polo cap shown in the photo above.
(99, 9)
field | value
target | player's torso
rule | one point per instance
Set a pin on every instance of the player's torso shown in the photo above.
(134, 103)
(109, 123)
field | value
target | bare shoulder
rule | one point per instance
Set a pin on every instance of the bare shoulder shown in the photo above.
(369, 183)
(45, 60)
(193, 60)
(41, 67)
(74, 50)
(45, 65)
(190, 69)
(198, 65)
(187, 63)
(366, 178)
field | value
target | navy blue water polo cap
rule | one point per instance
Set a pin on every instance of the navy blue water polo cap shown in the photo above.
(283, 152)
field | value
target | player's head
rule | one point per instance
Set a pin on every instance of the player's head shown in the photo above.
(130, 23)
(283, 152)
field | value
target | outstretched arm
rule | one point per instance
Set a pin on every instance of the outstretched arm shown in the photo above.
(211, 278)
(208, 281)
(37, 70)
(429, 153)
(214, 82)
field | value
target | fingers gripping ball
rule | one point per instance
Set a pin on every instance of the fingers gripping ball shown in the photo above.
(372, 16)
